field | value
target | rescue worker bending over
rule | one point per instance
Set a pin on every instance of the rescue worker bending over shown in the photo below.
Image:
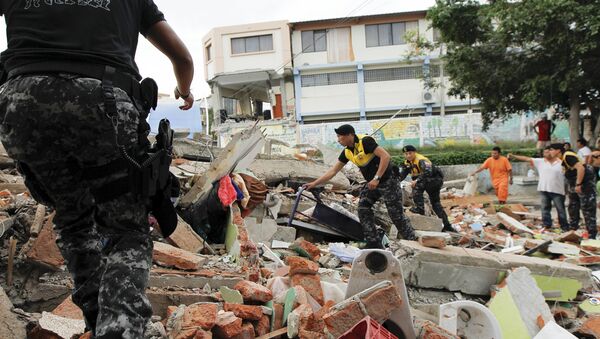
(425, 178)
(373, 162)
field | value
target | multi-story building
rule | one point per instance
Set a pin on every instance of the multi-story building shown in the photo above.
(354, 68)
(248, 65)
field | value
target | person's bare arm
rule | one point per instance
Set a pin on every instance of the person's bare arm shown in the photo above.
(510, 176)
(384, 161)
(327, 176)
(520, 158)
(580, 175)
(481, 168)
(162, 36)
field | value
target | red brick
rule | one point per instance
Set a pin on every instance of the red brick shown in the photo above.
(171, 310)
(433, 241)
(309, 247)
(246, 333)
(228, 325)
(340, 321)
(430, 330)
(246, 312)
(590, 327)
(311, 283)
(187, 333)
(167, 255)
(200, 315)
(266, 273)
(44, 249)
(262, 326)
(253, 292)
(67, 309)
(277, 317)
(201, 334)
(86, 335)
(299, 265)
(304, 334)
(381, 303)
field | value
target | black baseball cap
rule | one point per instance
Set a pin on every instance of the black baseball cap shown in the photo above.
(345, 130)
(409, 148)
(558, 146)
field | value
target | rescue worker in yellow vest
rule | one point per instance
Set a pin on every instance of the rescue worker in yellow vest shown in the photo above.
(425, 178)
(580, 189)
(374, 164)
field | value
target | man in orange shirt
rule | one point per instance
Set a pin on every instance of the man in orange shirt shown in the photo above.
(500, 171)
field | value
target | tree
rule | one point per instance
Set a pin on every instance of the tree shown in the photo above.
(520, 55)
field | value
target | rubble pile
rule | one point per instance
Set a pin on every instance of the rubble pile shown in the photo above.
(252, 258)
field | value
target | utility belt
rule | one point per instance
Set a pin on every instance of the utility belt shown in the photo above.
(147, 165)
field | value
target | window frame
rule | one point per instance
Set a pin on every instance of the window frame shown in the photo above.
(400, 26)
(246, 39)
(312, 48)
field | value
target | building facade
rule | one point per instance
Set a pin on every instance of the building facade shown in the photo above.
(345, 69)
(247, 66)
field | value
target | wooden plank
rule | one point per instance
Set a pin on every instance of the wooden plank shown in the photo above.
(185, 238)
(274, 334)
(38, 220)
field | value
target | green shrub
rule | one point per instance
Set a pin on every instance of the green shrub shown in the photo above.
(464, 157)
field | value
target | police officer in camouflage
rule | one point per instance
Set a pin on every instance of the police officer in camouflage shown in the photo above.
(374, 164)
(425, 178)
(580, 188)
(70, 103)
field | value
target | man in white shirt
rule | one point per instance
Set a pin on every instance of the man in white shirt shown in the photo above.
(584, 152)
(551, 186)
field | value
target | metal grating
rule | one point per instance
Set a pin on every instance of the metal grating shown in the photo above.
(328, 79)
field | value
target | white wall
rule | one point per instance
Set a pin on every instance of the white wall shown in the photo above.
(253, 61)
(319, 99)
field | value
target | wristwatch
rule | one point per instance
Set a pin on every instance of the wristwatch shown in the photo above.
(376, 177)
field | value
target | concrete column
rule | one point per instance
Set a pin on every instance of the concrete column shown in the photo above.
(298, 94)
(360, 79)
(216, 104)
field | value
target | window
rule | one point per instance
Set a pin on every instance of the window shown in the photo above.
(207, 52)
(314, 41)
(328, 79)
(252, 44)
(436, 35)
(388, 34)
(399, 73)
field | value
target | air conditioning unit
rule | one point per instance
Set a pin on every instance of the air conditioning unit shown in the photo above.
(429, 96)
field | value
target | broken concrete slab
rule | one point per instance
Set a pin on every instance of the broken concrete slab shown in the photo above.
(513, 224)
(171, 256)
(10, 325)
(273, 172)
(285, 233)
(50, 324)
(424, 223)
(417, 260)
(239, 153)
(262, 232)
(185, 238)
(161, 299)
(519, 306)
(165, 281)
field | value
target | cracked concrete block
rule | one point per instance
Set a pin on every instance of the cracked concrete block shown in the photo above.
(10, 325)
(424, 223)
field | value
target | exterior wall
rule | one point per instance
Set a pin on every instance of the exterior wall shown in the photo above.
(222, 61)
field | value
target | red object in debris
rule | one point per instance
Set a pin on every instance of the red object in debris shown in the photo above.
(368, 328)
(226, 192)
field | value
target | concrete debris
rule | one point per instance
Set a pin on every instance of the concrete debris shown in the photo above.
(171, 256)
(10, 325)
(44, 250)
(53, 326)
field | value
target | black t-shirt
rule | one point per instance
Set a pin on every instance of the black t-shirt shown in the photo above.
(103, 32)
(570, 160)
(370, 170)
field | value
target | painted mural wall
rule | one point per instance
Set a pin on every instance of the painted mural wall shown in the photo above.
(421, 131)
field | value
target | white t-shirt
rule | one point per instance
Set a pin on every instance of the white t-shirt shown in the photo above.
(551, 175)
(584, 152)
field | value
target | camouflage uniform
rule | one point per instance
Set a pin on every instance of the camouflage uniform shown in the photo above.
(55, 127)
(391, 192)
(432, 186)
(586, 202)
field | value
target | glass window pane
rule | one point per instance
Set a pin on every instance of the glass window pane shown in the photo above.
(372, 35)
(307, 41)
(412, 26)
(320, 40)
(238, 45)
(385, 34)
(266, 42)
(398, 30)
(252, 44)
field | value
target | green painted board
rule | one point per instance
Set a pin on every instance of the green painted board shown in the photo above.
(568, 287)
(589, 308)
(288, 307)
(231, 296)
(508, 315)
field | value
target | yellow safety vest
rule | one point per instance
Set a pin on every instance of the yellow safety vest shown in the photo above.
(358, 155)
(415, 168)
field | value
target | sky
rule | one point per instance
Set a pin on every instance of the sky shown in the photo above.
(192, 19)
